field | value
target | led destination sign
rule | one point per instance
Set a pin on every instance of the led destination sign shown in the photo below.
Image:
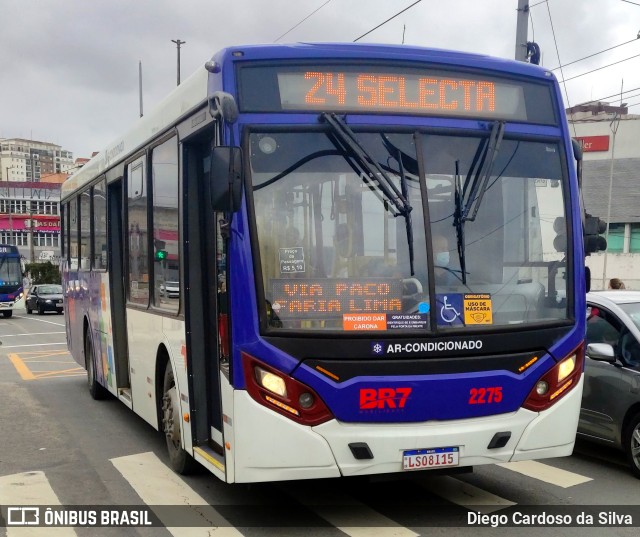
(392, 89)
(328, 298)
(400, 93)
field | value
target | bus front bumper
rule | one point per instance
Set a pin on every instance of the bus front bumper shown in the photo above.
(270, 447)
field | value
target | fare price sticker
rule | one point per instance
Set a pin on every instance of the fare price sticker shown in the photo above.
(477, 309)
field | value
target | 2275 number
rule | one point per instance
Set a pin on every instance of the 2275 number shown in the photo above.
(481, 396)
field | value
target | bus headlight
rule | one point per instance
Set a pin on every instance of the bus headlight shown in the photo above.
(556, 382)
(282, 393)
(566, 367)
(271, 382)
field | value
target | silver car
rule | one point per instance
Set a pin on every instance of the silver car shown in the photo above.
(170, 289)
(610, 411)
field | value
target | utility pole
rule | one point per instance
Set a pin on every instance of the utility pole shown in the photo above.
(140, 82)
(178, 43)
(33, 178)
(521, 30)
(6, 171)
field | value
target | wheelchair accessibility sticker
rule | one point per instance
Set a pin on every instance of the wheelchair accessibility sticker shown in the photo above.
(449, 309)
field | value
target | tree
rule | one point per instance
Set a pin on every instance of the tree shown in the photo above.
(45, 272)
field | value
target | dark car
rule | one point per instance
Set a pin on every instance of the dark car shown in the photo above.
(610, 412)
(45, 297)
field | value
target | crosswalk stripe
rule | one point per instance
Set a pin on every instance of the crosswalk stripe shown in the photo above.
(546, 473)
(360, 520)
(30, 488)
(464, 494)
(156, 484)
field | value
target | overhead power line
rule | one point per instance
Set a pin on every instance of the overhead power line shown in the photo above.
(553, 32)
(299, 23)
(385, 22)
(598, 68)
(615, 95)
(595, 54)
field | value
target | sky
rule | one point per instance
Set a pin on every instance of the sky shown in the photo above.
(69, 68)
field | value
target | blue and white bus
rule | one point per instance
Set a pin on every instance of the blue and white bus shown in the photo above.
(11, 273)
(323, 260)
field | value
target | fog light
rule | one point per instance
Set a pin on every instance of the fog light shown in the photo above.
(542, 387)
(306, 400)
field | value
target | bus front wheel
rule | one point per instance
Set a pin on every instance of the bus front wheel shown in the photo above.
(96, 390)
(180, 460)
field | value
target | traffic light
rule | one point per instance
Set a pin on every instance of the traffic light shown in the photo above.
(560, 228)
(161, 253)
(593, 239)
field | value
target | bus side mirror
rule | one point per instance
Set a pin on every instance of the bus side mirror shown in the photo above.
(225, 179)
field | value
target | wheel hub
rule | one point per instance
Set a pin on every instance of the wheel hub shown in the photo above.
(170, 409)
(635, 446)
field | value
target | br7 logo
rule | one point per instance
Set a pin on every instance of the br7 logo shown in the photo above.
(383, 397)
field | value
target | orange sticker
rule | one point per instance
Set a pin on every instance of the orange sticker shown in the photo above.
(364, 321)
(477, 309)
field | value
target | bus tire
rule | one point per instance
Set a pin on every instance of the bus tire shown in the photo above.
(631, 443)
(97, 391)
(7, 314)
(181, 462)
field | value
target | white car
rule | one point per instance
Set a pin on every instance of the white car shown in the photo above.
(170, 289)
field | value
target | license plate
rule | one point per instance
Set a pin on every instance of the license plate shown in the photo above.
(419, 459)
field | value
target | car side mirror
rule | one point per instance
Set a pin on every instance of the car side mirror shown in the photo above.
(603, 352)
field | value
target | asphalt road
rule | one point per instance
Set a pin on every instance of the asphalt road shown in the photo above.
(61, 447)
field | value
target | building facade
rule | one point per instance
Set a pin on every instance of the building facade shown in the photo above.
(31, 174)
(611, 186)
(29, 160)
(30, 219)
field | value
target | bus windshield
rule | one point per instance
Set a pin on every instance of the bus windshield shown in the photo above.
(10, 271)
(427, 236)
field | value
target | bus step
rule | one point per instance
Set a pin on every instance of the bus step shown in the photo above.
(125, 393)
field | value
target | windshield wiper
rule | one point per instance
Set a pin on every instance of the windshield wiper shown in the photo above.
(374, 175)
(479, 185)
(471, 195)
(458, 222)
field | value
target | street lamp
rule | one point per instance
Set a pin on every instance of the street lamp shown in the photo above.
(178, 43)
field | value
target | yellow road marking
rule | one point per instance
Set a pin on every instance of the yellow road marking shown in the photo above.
(41, 374)
(20, 363)
(21, 367)
(49, 361)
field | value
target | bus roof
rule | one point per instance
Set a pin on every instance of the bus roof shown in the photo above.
(193, 92)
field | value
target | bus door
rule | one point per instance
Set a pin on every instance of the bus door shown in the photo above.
(116, 284)
(205, 303)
